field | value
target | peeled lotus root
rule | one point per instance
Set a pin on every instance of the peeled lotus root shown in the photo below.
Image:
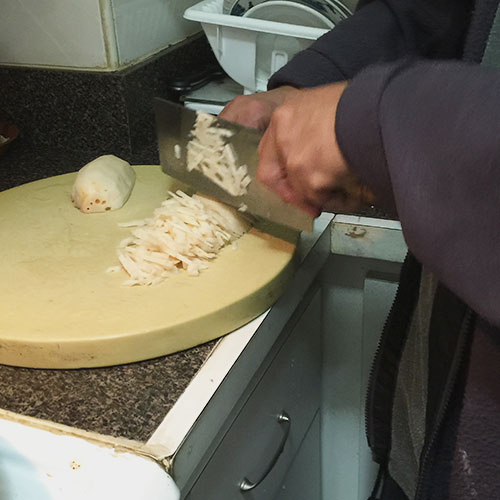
(103, 184)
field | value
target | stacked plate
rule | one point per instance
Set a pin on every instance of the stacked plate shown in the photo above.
(314, 13)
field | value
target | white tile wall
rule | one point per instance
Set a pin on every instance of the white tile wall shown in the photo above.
(65, 33)
(70, 33)
(144, 27)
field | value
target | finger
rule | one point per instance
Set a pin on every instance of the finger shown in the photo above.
(304, 196)
(248, 111)
(273, 172)
(228, 112)
(309, 209)
(300, 199)
(270, 171)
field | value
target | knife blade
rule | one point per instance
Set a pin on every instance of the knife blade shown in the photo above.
(174, 124)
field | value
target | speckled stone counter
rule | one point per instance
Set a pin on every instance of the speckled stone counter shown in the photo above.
(127, 401)
(95, 113)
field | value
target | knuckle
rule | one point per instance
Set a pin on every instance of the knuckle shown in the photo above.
(317, 182)
(239, 100)
(283, 113)
(249, 102)
(256, 106)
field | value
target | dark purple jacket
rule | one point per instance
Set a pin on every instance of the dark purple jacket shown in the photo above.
(424, 135)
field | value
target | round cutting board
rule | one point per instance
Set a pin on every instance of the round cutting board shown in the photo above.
(61, 309)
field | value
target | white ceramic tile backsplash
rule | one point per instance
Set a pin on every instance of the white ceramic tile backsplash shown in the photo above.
(65, 33)
(144, 27)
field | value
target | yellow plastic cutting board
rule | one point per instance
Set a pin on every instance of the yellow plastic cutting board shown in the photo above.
(60, 309)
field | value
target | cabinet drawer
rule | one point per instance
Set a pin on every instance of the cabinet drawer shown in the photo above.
(289, 386)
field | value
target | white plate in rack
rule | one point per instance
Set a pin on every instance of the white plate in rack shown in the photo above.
(272, 51)
(333, 10)
(289, 12)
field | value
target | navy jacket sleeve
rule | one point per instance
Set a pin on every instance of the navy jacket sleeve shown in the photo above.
(380, 31)
(425, 137)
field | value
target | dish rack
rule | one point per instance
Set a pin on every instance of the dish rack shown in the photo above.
(250, 50)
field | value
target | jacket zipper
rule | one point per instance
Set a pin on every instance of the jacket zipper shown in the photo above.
(444, 405)
(402, 303)
(371, 376)
(377, 487)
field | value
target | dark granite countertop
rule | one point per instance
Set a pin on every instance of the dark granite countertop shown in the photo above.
(128, 401)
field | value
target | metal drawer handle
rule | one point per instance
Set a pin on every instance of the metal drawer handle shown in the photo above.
(285, 421)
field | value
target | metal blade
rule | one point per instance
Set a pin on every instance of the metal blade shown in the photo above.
(174, 124)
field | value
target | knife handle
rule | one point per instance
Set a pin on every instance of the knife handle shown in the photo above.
(362, 194)
(354, 196)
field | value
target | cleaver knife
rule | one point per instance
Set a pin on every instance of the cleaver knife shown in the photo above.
(174, 124)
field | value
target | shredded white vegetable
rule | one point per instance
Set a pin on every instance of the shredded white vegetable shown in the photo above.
(184, 233)
(209, 152)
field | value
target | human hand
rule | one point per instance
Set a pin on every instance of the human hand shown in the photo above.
(299, 158)
(255, 110)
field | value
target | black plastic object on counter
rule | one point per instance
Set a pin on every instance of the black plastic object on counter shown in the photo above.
(181, 85)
